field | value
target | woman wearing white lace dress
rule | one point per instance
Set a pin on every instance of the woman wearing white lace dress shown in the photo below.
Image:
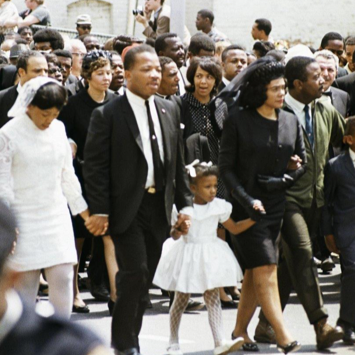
(37, 180)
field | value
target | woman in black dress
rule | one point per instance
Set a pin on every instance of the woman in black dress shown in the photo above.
(96, 70)
(259, 144)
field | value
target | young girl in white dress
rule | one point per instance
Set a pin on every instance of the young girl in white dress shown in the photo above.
(37, 180)
(200, 262)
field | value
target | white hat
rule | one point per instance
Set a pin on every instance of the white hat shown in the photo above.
(299, 50)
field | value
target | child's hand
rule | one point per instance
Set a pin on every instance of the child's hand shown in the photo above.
(175, 234)
(258, 206)
(184, 227)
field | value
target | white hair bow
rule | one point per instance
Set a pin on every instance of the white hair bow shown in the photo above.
(191, 167)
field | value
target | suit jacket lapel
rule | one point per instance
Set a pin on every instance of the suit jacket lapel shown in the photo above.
(163, 120)
(349, 163)
(128, 114)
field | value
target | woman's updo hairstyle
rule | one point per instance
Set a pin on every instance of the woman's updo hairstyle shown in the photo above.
(50, 95)
(94, 60)
(253, 95)
(202, 170)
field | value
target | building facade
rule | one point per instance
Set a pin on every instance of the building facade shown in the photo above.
(297, 21)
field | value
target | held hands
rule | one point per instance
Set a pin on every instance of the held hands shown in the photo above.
(183, 223)
(97, 225)
(270, 183)
(294, 163)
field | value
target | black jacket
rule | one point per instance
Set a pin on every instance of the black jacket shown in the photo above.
(115, 169)
(7, 100)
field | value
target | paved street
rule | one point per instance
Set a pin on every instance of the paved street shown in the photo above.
(195, 334)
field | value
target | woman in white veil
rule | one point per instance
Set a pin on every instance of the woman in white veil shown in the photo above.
(37, 181)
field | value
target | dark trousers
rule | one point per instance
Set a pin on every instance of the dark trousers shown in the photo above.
(347, 293)
(297, 269)
(138, 251)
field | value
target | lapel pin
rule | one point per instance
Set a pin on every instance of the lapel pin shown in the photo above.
(163, 110)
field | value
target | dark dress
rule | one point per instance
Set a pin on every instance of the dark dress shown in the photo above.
(76, 118)
(201, 123)
(253, 145)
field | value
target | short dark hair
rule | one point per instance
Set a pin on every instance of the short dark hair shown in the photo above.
(20, 40)
(205, 13)
(201, 41)
(164, 61)
(211, 65)
(263, 47)
(122, 41)
(24, 57)
(350, 41)
(277, 54)
(130, 56)
(7, 234)
(160, 43)
(63, 53)
(230, 48)
(52, 58)
(21, 29)
(350, 126)
(296, 69)
(51, 36)
(255, 92)
(150, 42)
(203, 171)
(331, 36)
(50, 95)
(264, 25)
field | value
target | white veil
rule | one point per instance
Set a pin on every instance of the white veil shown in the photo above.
(27, 93)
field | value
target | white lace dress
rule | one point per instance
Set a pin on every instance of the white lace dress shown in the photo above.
(199, 261)
(37, 180)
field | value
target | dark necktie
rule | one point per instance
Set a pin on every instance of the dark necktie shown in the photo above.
(328, 93)
(158, 165)
(309, 127)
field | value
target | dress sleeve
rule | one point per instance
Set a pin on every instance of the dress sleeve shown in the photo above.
(70, 184)
(6, 182)
(226, 211)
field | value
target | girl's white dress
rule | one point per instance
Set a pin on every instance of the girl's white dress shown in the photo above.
(37, 180)
(200, 260)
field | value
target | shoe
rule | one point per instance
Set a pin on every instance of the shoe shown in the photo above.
(289, 348)
(99, 292)
(327, 264)
(349, 334)
(264, 333)
(174, 349)
(228, 304)
(111, 306)
(316, 262)
(326, 335)
(82, 309)
(235, 297)
(229, 346)
(251, 347)
(194, 306)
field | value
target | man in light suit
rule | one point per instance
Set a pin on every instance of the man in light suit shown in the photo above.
(134, 172)
(339, 225)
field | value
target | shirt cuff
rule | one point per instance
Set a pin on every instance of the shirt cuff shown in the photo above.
(100, 214)
(188, 210)
(71, 141)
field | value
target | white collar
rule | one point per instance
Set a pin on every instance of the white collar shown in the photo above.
(137, 100)
(295, 105)
(225, 81)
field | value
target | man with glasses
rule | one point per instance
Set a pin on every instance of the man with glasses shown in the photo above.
(83, 25)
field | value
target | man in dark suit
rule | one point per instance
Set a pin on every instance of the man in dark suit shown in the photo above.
(30, 65)
(134, 172)
(234, 60)
(339, 225)
(329, 66)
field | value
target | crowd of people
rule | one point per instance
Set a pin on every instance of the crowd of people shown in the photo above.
(188, 163)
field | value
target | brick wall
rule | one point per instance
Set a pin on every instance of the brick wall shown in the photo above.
(295, 20)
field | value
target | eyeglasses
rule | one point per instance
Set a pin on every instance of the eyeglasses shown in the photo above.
(336, 52)
(82, 55)
(85, 27)
(55, 70)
